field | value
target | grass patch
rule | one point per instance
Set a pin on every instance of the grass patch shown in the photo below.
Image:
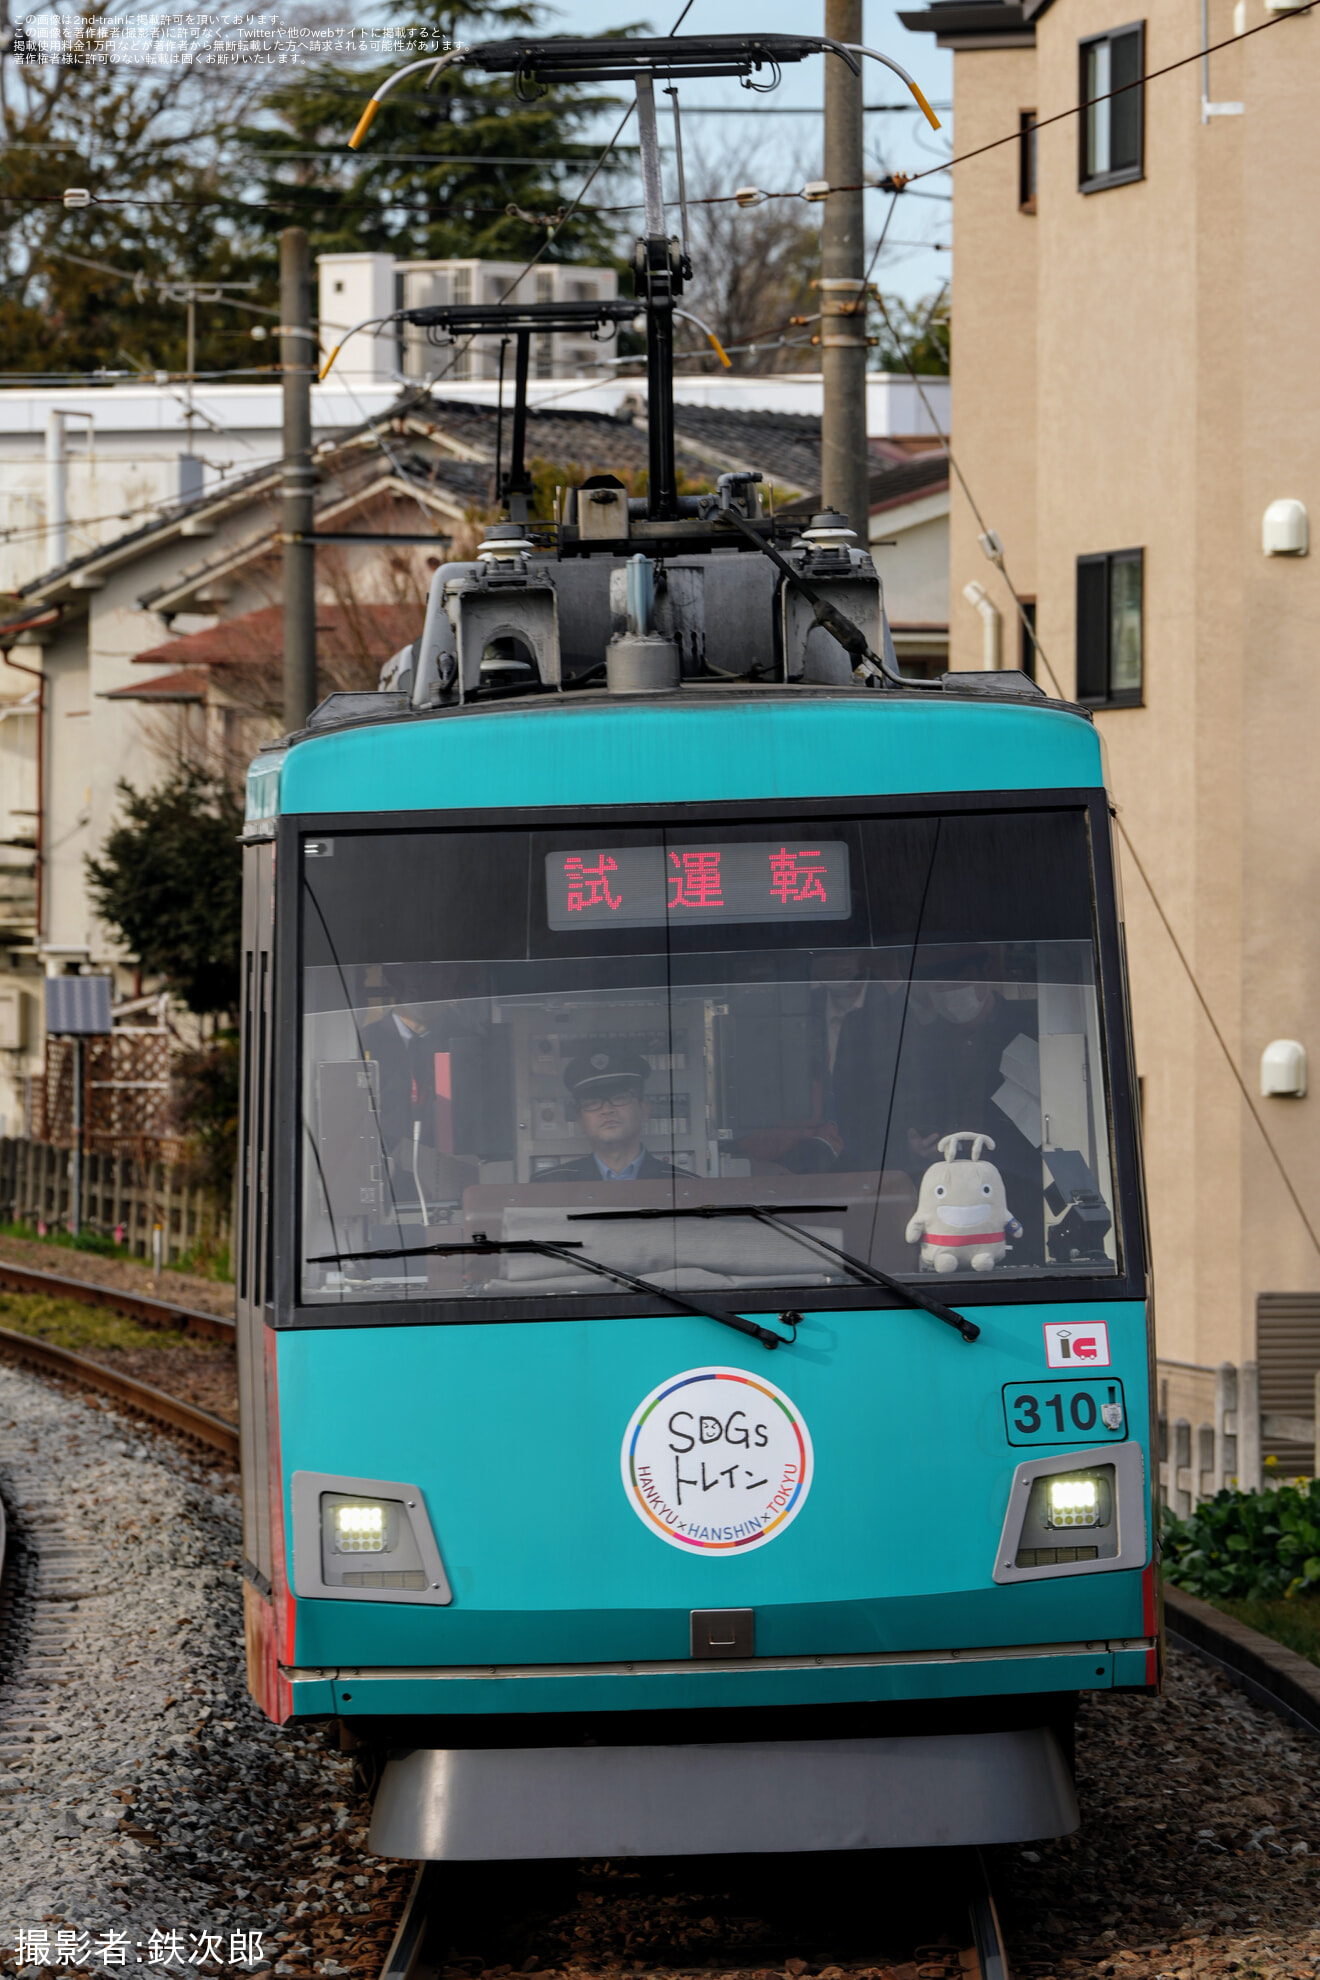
(1294, 1622)
(203, 1260)
(96, 1241)
(82, 1329)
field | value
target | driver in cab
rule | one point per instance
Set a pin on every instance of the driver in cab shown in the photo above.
(607, 1092)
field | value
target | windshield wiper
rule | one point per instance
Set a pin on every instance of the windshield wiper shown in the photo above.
(869, 1273)
(572, 1253)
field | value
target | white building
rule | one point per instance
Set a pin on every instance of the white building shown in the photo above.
(109, 458)
(357, 287)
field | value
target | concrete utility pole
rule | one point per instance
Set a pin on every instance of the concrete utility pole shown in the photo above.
(844, 462)
(297, 360)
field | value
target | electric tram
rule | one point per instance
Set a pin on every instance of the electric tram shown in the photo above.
(694, 1308)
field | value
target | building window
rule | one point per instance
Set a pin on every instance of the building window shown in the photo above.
(1027, 631)
(1112, 124)
(1026, 161)
(1109, 642)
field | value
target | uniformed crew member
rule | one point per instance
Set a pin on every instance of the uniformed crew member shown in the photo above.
(607, 1091)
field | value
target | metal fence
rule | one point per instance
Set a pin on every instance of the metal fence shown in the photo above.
(119, 1193)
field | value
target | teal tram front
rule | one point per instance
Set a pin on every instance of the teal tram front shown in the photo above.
(627, 1078)
(694, 1306)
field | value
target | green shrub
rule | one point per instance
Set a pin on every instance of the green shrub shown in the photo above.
(1247, 1545)
(206, 1259)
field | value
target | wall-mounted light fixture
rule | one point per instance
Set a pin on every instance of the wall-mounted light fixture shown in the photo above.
(1284, 531)
(1283, 1070)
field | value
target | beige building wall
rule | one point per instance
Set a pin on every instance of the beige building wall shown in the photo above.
(1134, 368)
(994, 367)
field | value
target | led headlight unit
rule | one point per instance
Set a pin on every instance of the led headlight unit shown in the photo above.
(364, 1539)
(360, 1529)
(1073, 1502)
(1083, 1513)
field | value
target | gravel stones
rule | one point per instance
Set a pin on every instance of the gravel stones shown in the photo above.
(141, 1790)
(1198, 1849)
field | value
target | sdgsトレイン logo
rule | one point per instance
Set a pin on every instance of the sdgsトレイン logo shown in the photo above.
(717, 1461)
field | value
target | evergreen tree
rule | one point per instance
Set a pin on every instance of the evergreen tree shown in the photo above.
(170, 881)
(214, 162)
(921, 332)
(124, 133)
(453, 170)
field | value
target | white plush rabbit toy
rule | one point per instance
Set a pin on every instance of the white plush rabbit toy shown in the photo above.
(962, 1217)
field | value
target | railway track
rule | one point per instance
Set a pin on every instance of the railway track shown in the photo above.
(137, 1306)
(166, 1411)
(923, 1914)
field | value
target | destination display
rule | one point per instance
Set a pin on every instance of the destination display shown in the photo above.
(649, 886)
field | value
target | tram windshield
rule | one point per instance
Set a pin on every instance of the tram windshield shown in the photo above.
(506, 1033)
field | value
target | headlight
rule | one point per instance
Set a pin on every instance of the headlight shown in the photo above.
(378, 1527)
(1080, 1514)
(1070, 1518)
(360, 1529)
(1073, 1502)
(364, 1539)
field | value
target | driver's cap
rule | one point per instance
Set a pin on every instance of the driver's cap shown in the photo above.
(594, 1072)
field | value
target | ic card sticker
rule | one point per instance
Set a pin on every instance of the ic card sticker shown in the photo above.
(1076, 1344)
(717, 1461)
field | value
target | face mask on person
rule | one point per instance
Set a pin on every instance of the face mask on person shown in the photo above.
(962, 1005)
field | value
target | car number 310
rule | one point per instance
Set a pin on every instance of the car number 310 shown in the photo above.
(1064, 1412)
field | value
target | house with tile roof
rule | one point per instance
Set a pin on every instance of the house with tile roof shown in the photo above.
(163, 642)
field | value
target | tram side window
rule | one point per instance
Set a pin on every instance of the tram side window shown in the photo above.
(866, 1003)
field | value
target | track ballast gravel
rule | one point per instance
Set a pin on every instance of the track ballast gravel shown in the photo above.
(141, 1791)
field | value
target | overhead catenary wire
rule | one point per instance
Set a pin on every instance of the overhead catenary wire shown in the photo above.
(301, 198)
(1076, 109)
(559, 221)
(551, 234)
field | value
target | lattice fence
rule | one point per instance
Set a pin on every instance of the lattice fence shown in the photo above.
(126, 1085)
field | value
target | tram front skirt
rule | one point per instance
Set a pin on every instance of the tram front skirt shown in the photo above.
(916, 1792)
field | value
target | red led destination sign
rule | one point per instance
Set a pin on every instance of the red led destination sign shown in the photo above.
(646, 886)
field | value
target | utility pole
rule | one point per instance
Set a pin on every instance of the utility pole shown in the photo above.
(844, 460)
(658, 270)
(297, 353)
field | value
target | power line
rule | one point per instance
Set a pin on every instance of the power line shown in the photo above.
(993, 547)
(303, 197)
(558, 229)
(1040, 123)
(796, 109)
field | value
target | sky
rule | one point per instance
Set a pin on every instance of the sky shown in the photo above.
(777, 151)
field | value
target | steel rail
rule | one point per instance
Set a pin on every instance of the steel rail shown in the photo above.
(984, 1958)
(159, 1408)
(137, 1306)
